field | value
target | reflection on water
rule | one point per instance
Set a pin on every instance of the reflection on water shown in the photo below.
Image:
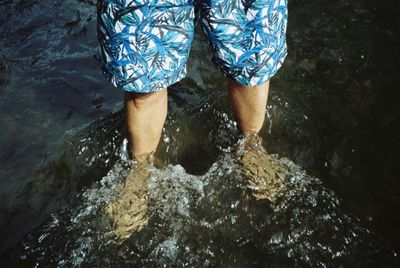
(332, 111)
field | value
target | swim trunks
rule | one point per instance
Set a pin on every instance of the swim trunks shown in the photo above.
(145, 44)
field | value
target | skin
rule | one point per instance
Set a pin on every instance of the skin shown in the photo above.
(146, 114)
(249, 104)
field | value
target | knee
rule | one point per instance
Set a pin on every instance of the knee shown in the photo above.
(140, 100)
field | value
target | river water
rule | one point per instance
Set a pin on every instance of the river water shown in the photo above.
(332, 121)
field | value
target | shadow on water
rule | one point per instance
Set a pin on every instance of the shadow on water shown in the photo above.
(332, 111)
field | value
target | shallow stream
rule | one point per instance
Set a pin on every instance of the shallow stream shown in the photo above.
(332, 120)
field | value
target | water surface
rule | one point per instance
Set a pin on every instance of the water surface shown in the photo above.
(332, 111)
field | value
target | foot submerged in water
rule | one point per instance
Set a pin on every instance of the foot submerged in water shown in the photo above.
(128, 212)
(264, 174)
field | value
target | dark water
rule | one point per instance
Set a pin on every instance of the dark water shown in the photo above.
(332, 111)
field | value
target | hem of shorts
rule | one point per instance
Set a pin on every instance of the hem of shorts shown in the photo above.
(128, 88)
(265, 80)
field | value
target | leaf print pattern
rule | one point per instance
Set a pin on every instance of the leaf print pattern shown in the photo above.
(144, 44)
(248, 37)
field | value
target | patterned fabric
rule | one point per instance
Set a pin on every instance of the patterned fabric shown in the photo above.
(145, 44)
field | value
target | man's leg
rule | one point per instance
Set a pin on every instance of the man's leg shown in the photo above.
(249, 104)
(145, 115)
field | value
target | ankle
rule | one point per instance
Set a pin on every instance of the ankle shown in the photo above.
(144, 158)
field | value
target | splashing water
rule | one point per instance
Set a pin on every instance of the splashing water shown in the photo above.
(201, 220)
(199, 212)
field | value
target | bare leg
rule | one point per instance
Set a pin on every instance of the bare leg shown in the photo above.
(145, 116)
(249, 104)
(264, 173)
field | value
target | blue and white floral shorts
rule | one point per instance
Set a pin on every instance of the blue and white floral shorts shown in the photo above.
(145, 44)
